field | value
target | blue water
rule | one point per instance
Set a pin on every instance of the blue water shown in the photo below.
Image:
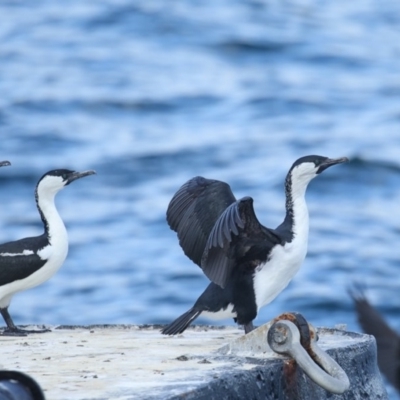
(151, 93)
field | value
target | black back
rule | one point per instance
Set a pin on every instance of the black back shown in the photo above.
(16, 267)
(217, 232)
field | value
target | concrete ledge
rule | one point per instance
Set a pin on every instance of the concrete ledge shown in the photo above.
(137, 362)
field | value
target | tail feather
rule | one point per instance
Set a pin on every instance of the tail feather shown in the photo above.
(181, 323)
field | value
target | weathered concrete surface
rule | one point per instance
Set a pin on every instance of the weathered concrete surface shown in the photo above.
(355, 353)
(131, 362)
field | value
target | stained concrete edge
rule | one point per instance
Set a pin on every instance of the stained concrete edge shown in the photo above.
(188, 366)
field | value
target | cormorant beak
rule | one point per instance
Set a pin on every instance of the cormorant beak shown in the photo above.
(329, 162)
(4, 163)
(77, 175)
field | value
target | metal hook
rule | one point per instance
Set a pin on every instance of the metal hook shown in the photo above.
(284, 338)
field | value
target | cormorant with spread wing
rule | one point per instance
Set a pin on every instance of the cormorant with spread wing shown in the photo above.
(247, 263)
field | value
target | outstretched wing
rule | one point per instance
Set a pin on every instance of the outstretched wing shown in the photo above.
(193, 211)
(387, 340)
(237, 236)
(18, 264)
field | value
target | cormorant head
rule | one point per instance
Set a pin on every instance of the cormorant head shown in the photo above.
(306, 168)
(54, 180)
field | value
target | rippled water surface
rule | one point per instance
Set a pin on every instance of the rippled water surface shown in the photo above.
(152, 93)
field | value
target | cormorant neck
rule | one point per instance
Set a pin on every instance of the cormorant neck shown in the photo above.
(53, 224)
(296, 218)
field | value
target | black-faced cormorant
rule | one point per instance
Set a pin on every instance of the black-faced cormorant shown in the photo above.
(28, 262)
(248, 264)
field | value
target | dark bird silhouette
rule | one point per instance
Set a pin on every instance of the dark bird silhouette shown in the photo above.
(28, 262)
(387, 340)
(4, 163)
(248, 264)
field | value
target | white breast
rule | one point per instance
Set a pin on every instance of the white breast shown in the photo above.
(272, 277)
(284, 262)
(55, 256)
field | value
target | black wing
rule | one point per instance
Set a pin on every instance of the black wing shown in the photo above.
(387, 340)
(19, 259)
(237, 236)
(193, 211)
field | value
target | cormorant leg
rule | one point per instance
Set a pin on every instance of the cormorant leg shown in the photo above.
(12, 330)
(248, 327)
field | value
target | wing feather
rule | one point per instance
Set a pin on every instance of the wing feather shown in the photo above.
(236, 233)
(194, 210)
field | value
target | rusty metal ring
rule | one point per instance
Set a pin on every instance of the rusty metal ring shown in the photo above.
(284, 338)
